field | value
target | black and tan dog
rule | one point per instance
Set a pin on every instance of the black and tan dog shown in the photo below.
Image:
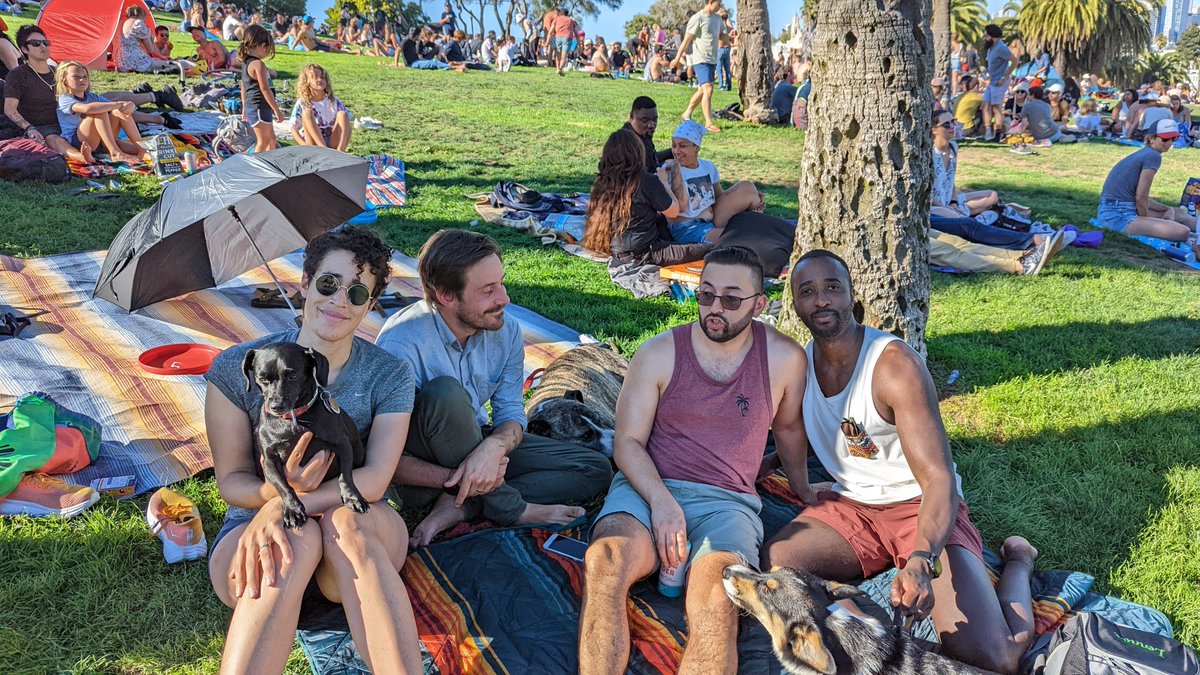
(292, 380)
(812, 635)
(576, 401)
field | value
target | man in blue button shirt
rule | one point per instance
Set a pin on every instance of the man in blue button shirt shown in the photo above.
(463, 354)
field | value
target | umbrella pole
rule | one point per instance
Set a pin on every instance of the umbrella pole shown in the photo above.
(288, 300)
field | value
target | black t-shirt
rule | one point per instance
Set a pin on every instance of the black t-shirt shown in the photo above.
(647, 227)
(454, 53)
(652, 162)
(36, 101)
(619, 59)
(281, 27)
(781, 100)
(1012, 107)
(409, 49)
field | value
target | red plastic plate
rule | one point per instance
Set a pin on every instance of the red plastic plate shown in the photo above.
(181, 359)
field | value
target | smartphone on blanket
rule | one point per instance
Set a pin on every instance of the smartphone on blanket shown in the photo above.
(566, 547)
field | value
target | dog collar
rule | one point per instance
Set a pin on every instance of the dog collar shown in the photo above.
(291, 415)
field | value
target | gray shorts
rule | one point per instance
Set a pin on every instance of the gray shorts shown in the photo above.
(717, 519)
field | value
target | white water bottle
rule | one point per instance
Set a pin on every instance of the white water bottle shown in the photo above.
(670, 579)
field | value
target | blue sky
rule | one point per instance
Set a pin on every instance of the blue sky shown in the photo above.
(610, 23)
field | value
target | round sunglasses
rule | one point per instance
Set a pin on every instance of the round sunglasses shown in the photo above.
(729, 302)
(357, 293)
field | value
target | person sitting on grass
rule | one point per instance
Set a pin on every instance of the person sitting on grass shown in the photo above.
(870, 415)
(621, 61)
(1120, 111)
(90, 121)
(136, 50)
(659, 67)
(162, 41)
(967, 106)
(258, 101)
(601, 64)
(467, 355)
(1037, 118)
(705, 207)
(213, 52)
(1089, 121)
(1060, 107)
(259, 567)
(944, 196)
(629, 206)
(318, 117)
(1125, 203)
(410, 53)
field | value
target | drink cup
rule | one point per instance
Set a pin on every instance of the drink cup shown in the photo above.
(189, 162)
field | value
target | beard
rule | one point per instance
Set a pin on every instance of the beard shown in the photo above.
(490, 319)
(727, 331)
(830, 330)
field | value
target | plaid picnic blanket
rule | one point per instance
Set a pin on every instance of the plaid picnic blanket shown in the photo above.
(385, 182)
(483, 599)
(83, 352)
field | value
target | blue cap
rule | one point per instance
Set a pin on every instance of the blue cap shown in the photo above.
(308, 19)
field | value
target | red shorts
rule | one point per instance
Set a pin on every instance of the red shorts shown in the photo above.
(882, 535)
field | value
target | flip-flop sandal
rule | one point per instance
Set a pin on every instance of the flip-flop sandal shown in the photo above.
(713, 129)
(271, 298)
(11, 325)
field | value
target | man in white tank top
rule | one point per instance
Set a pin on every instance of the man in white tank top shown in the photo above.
(871, 416)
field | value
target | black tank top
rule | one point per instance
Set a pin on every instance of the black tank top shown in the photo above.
(254, 94)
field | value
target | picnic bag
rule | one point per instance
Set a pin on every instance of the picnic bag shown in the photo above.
(233, 137)
(1089, 644)
(23, 159)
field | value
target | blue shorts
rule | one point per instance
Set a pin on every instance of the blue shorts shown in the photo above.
(1115, 215)
(691, 231)
(706, 73)
(716, 519)
(235, 516)
(257, 116)
(562, 44)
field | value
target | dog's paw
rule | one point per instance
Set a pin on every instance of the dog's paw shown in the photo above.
(355, 502)
(294, 517)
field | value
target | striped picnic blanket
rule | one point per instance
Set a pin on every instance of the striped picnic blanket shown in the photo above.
(84, 351)
(385, 182)
(495, 602)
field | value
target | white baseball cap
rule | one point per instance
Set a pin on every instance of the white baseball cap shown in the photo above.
(1166, 129)
(1055, 88)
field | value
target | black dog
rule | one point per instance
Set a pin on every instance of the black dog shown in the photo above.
(292, 381)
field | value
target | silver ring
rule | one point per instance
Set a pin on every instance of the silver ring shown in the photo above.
(262, 546)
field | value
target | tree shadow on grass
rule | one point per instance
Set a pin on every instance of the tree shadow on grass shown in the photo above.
(1085, 496)
(987, 358)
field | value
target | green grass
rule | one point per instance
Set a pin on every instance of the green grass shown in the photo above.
(1074, 421)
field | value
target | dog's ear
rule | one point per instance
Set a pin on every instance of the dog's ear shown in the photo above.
(319, 365)
(248, 370)
(573, 395)
(843, 591)
(805, 645)
(538, 427)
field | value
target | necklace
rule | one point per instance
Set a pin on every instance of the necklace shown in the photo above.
(50, 84)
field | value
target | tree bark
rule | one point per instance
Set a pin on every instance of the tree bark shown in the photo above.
(867, 162)
(755, 66)
(941, 40)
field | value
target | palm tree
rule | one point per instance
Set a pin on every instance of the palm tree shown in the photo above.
(967, 19)
(1085, 34)
(1158, 66)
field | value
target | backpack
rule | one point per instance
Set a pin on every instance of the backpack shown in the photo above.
(23, 159)
(233, 137)
(1089, 644)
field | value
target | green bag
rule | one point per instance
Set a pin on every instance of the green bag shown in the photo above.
(28, 441)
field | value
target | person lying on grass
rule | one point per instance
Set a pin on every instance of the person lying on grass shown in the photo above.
(262, 569)
(89, 121)
(1125, 203)
(704, 206)
(629, 206)
(318, 117)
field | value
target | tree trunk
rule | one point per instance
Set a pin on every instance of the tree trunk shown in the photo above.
(755, 66)
(867, 162)
(941, 40)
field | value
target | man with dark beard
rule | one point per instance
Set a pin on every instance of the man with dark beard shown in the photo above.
(692, 423)
(465, 353)
(871, 417)
(643, 120)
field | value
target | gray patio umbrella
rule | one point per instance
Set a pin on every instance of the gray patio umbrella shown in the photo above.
(226, 220)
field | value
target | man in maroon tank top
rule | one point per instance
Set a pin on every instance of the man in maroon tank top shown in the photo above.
(692, 424)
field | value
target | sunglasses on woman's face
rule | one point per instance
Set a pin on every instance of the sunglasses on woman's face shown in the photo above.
(729, 302)
(356, 292)
(946, 125)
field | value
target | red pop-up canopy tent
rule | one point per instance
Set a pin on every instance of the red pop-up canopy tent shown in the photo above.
(84, 30)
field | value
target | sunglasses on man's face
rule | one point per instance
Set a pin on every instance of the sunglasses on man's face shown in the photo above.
(356, 293)
(729, 302)
(37, 43)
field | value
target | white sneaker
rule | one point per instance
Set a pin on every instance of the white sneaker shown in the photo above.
(988, 217)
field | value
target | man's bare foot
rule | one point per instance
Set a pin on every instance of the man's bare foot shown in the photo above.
(1017, 549)
(549, 514)
(444, 516)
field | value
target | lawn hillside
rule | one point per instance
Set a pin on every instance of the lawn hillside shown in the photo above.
(1073, 422)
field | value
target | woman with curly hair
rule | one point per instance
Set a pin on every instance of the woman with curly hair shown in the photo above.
(629, 207)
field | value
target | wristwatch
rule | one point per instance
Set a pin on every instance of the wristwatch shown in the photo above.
(935, 563)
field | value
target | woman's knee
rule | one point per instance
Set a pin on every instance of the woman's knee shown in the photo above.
(347, 536)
